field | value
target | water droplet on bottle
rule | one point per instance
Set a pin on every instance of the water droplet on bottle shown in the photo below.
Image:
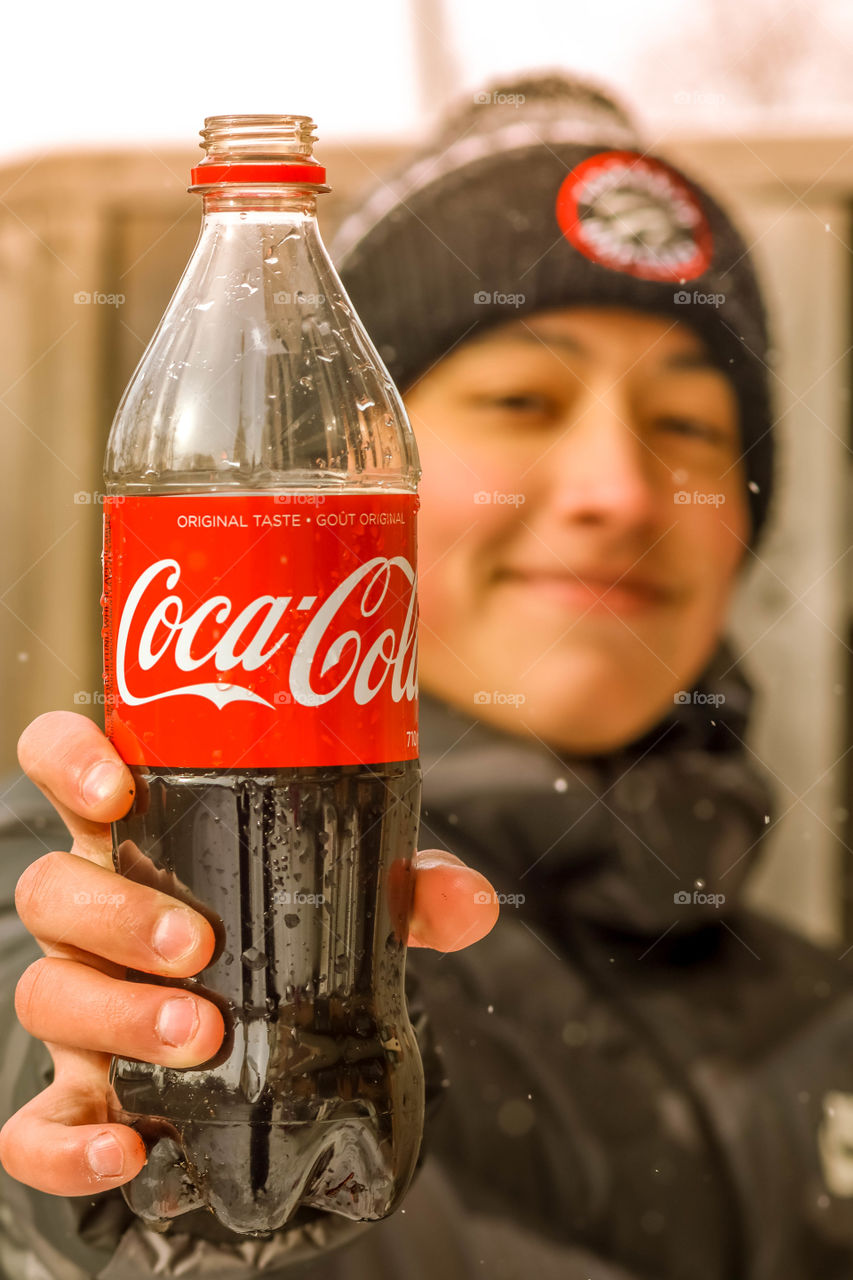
(291, 920)
(364, 403)
(254, 958)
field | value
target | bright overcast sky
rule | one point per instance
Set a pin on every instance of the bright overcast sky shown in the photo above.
(87, 73)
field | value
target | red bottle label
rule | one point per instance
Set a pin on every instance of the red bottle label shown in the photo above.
(258, 631)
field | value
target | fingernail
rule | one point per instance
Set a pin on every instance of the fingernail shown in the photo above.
(105, 1156)
(175, 934)
(436, 858)
(177, 1020)
(101, 782)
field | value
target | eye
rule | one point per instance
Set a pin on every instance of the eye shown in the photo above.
(694, 429)
(517, 402)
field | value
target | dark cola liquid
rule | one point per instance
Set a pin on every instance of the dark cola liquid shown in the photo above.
(316, 1097)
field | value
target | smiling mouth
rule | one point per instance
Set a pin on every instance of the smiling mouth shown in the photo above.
(604, 595)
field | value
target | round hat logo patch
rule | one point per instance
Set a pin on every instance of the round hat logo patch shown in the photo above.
(635, 214)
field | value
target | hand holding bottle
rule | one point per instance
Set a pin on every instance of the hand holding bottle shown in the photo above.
(93, 924)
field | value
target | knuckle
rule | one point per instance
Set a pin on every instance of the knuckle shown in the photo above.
(10, 1144)
(108, 913)
(32, 993)
(131, 924)
(60, 743)
(43, 737)
(118, 1013)
(37, 886)
(29, 752)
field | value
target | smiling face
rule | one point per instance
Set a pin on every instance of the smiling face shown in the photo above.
(583, 515)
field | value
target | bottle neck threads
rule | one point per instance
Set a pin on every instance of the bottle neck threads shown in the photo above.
(257, 158)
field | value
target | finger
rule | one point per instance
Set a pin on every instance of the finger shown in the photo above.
(138, 867)
(454, 905)
(73, 1005)
(81, 773)
(63, 1142)
(65, 899)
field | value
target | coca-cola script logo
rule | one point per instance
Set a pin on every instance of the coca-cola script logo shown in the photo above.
(159, 627)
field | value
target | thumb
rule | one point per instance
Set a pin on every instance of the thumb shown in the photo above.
(63, 1141)
(453, 906)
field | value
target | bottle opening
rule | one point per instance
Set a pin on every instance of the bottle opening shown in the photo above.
(256, 150)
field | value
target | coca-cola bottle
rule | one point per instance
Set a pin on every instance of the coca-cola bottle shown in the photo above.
(260, 673)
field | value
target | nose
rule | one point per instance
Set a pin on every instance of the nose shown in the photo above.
(602, 471)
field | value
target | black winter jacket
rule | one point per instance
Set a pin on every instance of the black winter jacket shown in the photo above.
(639, 1078)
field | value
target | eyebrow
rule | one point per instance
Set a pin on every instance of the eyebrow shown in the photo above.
(677, 360)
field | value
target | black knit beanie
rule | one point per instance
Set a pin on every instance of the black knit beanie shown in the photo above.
(539, 194)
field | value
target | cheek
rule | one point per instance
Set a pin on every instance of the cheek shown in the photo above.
(458, 512)
(713, 542)
(460, 527)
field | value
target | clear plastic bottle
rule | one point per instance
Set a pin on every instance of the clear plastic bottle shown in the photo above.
(261, 467)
